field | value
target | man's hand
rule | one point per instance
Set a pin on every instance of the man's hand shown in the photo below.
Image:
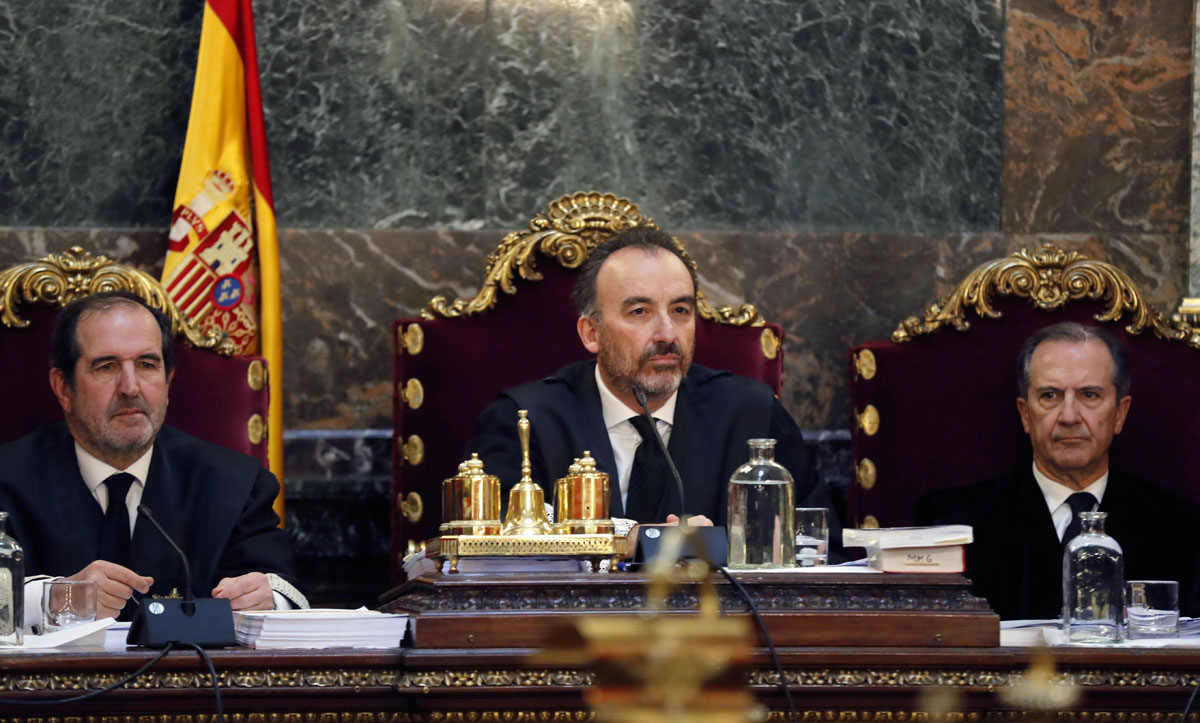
(114, 585)
(251, 591)
(693, 520)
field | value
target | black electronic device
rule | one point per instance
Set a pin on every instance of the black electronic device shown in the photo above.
(158, 621)
(713, 545)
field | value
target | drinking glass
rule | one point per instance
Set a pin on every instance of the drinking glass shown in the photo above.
(1152, 608)
(812, 536)
(66, 603)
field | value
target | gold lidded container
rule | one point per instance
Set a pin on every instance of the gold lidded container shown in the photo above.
(581, 500)
(471, 501)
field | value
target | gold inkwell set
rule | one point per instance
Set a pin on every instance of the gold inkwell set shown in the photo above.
(471, 510)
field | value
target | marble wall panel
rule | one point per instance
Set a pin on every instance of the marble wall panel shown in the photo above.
(93, 107)
(819, 114)
(1097, 107)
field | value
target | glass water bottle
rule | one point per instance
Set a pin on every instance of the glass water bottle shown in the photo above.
(1093, 584)
(12, 588)
(760, 511)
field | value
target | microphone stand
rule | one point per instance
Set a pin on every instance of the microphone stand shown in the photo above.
(704, 540)
(640, 395)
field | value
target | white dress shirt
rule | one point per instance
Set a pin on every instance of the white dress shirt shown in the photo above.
(94, 471)
(623, 436)
(1056, 495)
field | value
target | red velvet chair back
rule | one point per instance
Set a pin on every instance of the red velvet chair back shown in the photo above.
(936, 407)
(453, 361)
(218, 398)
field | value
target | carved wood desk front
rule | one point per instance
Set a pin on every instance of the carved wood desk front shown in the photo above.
(828, 684)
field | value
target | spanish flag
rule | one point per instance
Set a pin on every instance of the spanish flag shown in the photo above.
(222, 266)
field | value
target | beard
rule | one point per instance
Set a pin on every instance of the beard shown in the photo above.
(658, 381)
(123, 437)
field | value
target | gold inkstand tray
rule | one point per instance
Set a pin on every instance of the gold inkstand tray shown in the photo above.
(583, 547)
(471, 508)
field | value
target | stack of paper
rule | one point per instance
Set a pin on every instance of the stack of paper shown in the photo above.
(912, 549)
(319, 628)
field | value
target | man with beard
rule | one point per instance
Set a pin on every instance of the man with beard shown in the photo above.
(72, 489)
(636, 299)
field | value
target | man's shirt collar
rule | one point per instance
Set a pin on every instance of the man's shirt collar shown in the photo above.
(615, 411)
(94, 471)
(1057, 494)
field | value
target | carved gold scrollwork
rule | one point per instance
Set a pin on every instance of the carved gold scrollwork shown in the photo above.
(256, 375)
(567, 232)
(412, 451)
(411, 506)
(770, 344)
(864, 364)
(864, 472)
(411, 393)
(59, 279)
(1050, 278)
(256, 429)
(868, 420)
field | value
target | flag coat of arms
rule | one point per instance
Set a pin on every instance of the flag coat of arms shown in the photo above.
(222, 265)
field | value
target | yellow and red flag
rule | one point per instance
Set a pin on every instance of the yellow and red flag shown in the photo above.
(222, 266)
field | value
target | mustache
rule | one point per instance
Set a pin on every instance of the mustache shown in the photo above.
(662, 347)
(135, 403)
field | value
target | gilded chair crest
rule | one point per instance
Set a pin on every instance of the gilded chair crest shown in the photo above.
(59, 279)
(567, 232)
(1050, 278)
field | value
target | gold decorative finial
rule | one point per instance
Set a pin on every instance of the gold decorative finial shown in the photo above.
(523, 432)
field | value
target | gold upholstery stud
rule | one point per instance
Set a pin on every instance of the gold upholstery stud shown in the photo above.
(412, 451)
(870, 523)
(256, 375)
(256, 429)
(412, 393)
(411, 506)
(864, 472)
(411, 339)
(868, 420)
(770, 344)
(864, 364)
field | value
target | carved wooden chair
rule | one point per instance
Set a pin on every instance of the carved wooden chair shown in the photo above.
(935, 406)
(215, 396)
(453, 360)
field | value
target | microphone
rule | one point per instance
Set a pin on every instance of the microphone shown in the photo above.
(640, 395)
(159, 622)
(189, 603)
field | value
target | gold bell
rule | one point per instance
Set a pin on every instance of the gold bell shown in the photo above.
(526, 501)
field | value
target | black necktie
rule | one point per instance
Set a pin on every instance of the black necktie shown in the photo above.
(648, 478)
(114, 533)
(1079, 502)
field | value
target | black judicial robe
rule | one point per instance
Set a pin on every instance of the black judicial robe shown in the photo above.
(715, 413)
(215, 503)
(1016, 559)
